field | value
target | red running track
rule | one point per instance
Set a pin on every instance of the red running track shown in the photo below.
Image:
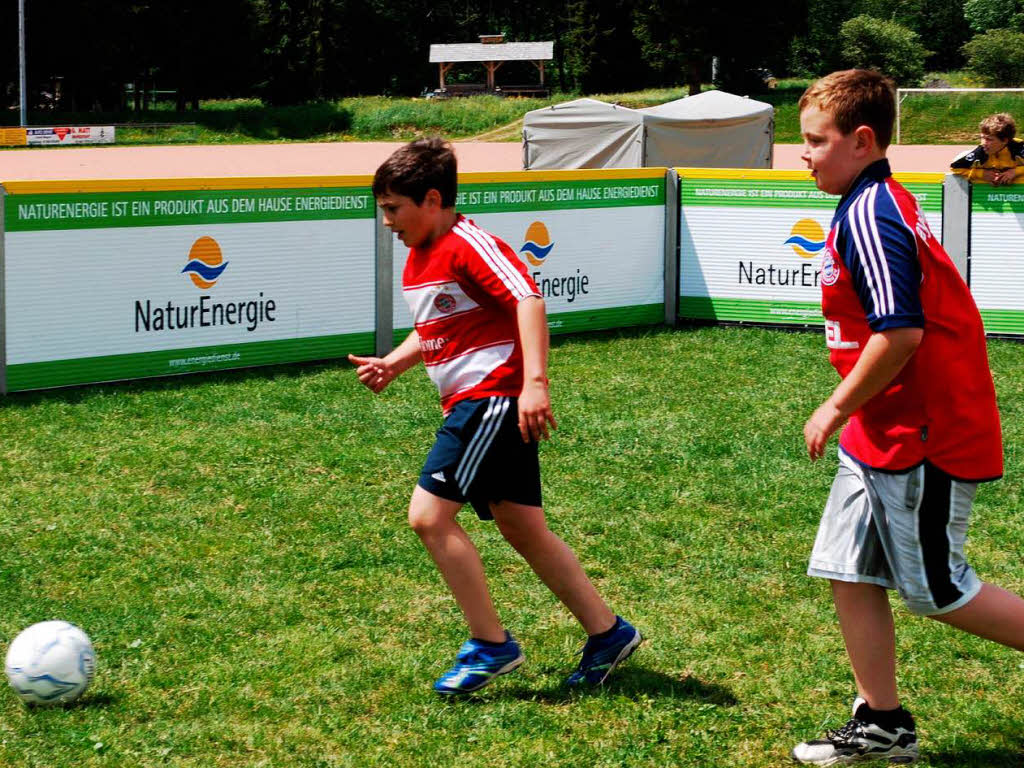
(325, 159)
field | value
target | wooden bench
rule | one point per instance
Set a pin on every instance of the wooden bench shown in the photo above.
(478, 89)
(462, 89)
(536, 91)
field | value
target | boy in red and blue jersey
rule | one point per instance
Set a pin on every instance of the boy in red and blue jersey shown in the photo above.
(482, 334)
(922, 426)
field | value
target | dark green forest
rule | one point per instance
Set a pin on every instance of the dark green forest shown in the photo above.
(83, 54)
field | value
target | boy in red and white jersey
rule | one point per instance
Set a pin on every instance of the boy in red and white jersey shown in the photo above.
(481, 331)
(922, 427)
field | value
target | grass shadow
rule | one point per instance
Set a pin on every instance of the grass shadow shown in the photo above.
(303, 121)
(245, 117)
(631, 681)
(605, 334)
(969, 757)
(75, 394)
(88, 701)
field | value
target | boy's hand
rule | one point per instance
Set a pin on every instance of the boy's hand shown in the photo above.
(374, 372)
(998, 178)
(535, 412)
(1005, 177)
(819, 428)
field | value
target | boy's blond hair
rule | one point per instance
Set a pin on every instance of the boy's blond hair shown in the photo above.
(855, 97)
(1001, 126)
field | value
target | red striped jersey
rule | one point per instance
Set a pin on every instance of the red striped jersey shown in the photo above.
(883, 268)
(463, 290)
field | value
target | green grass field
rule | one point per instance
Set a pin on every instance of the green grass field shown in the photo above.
(931, 119)
(236, 546)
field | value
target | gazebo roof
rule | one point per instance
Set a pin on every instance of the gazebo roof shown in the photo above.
(456, 52)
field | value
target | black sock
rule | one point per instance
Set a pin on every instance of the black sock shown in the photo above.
(607, 633)
(490, 644)
(889, 719)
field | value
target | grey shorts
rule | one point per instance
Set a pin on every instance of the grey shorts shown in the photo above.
(904, 531)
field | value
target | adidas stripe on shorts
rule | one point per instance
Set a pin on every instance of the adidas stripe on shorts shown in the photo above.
(479, 456)
(904, 531)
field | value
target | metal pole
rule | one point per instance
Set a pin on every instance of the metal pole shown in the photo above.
(384, 324)
(21, 63)
(956, 222)
(671, 247)
(3, 299)
(899, 101)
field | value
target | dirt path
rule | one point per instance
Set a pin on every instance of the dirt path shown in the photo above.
(512, 131)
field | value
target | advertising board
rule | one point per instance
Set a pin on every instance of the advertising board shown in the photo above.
(118, 280)
(591, 240)
(750, 242)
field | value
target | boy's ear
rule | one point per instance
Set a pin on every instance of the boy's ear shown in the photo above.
(432, 198)
(865, 138)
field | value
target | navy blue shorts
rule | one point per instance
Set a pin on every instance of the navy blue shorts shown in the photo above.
(480, 457)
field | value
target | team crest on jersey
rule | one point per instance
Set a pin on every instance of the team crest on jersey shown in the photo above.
(444, 302)
(829, 268)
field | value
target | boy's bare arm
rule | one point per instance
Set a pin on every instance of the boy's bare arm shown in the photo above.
(534, 401)
(377, 372)
(884, 356)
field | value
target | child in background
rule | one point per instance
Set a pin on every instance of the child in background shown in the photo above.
(999, 159)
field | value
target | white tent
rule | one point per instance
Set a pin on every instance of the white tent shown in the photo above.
(713, 129)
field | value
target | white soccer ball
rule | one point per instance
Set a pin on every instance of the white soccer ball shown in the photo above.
(51, 662)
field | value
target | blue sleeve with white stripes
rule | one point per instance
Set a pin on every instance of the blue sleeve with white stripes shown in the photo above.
(880, 251)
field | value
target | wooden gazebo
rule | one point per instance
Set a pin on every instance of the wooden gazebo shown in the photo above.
(492, 51)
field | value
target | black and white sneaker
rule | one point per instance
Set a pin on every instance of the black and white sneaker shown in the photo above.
(860, 741)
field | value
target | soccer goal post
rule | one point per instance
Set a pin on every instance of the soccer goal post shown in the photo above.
(901, 94)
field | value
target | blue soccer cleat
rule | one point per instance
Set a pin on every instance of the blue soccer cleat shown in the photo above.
(477, 664)
(602, 655)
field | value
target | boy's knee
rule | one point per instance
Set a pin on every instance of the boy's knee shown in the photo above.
(429, 514)
(425, 521)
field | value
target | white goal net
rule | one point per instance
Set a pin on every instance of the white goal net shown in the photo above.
(951, 115)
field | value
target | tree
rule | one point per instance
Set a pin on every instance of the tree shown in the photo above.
(997, 57)
(601, 51)
(817, 51)
(8, 55)
(290, 31)
(983, 15)
(907, 13)
(202, 49)
(679, 40)
(943, 28)
(886, 46)
(674, 39)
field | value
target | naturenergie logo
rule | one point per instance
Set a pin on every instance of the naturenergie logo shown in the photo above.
(806, 239)
(537, 247)
(204, 266)
(538, 243)
(205, 262)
